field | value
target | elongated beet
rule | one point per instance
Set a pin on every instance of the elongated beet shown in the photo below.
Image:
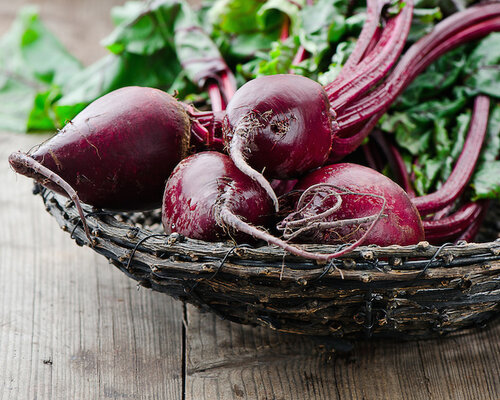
(346, 202)
(281, 124)
(118, 152)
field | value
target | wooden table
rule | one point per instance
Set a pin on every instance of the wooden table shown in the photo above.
(74, 327)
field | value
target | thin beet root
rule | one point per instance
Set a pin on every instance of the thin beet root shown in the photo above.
(22, 162)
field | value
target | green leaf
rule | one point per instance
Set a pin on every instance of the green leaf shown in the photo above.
(273, 12)
(485, 182)
(36, 66)
(341, 55)
(322, 23)
(483, 67)
(279, 59)
(197, 53)
(438, 77)
(113, 72)
(144, 28)
(491, 149)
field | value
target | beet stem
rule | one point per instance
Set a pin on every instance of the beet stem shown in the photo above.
(451, 224)
(20, 161)
(415, 60)
(464, 167)
(473, 229)
(376, 65)
(469, 25)
(368, 32)
(342, 146)
(215, 96)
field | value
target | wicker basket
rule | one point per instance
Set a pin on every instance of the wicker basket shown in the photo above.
(407, 292)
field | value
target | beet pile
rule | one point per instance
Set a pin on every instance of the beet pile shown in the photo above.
(274, 161)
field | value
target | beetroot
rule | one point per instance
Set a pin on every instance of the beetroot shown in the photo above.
(117, 153)
(280, 124)
(346, 202)
(201, 187)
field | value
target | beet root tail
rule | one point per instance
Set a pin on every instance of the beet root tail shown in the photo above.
(25, 165)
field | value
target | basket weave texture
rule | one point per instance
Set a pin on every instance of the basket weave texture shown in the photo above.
(406, 292)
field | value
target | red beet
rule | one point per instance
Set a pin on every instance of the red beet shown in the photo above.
(346, 202)
(279, 124)
(201, 187)
(117, 153)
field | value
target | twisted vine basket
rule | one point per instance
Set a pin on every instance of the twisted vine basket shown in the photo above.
(407, 292)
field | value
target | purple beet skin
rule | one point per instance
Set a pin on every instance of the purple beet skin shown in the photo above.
(118, 152)
(285, 122)
(206, 188)
(346, 201)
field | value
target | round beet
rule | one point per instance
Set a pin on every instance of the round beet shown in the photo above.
(281, 125)
(205, 186)
(117, 153)
(346, 202)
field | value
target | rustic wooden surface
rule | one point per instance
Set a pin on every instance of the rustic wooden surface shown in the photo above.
(74, 327)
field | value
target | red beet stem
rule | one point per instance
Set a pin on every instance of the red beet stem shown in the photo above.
(473, 229)
(228, 84)
(375, 65)
(301, 53)
(365, 38)
(460, 225)
(22, 162)
(452, 224)
(464, 167)
(205, 125)
(215, 95)
(417, 58)
(342, 146)
(370, 108)
(285, 29)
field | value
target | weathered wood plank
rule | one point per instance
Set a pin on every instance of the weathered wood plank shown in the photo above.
(229, 361)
